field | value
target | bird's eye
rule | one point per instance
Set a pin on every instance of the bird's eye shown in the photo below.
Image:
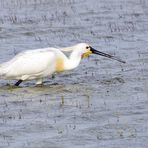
(87, 47)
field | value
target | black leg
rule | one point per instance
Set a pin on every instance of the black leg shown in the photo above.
(18, 82)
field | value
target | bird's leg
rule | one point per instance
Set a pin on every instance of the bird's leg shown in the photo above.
(39, 81)
(18, 82)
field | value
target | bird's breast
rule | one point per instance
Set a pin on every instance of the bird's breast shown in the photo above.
(59, 66)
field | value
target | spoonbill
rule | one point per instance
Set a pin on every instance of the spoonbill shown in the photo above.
(40, 63)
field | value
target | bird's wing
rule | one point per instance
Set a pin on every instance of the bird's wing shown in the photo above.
(36, 51)
(27, 53)
(30, 62)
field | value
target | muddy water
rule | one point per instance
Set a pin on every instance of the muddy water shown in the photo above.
(102, 103)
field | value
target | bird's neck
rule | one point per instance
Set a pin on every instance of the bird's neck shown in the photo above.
(73, 61)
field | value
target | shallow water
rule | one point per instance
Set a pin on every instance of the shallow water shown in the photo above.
(102, 103)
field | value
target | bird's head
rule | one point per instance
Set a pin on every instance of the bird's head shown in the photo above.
(86, 50)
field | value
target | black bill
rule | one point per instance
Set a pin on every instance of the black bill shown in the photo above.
(105, 55)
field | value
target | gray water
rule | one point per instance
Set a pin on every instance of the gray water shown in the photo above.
(100, 104)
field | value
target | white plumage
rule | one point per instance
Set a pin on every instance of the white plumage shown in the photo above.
(40, 63)
(29, 65)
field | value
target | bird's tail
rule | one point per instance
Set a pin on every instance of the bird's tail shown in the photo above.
(3, 70)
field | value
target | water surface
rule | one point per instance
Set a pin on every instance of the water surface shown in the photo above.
(102, 103)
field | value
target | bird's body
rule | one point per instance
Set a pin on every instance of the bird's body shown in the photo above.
(40, 63)
(29, 65)
(34, 64)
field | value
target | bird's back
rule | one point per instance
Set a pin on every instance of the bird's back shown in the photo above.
(31, 62)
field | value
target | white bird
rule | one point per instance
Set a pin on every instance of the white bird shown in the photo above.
(40, 63)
